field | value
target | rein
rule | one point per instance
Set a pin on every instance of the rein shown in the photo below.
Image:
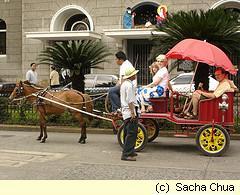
(36, 94)
(52, 96)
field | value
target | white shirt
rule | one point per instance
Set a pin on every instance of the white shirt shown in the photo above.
(31, 76)
(125, 65)
(128, 95)
(163, 74)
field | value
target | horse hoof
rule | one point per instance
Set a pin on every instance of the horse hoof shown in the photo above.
(42, 141)
(82, 141)
(39, 138)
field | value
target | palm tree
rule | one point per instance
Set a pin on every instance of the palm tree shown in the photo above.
(77, 56)
(217, 26)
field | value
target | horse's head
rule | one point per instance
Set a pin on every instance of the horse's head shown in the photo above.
(17, 92)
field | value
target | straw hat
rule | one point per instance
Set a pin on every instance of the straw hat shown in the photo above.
(129, 72)
(161, 58)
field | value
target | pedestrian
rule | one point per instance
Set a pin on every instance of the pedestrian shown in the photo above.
(114, 92)
(129, 107)
(54, 78)
(31, 75)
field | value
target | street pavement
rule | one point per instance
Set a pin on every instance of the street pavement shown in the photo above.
(62, 157)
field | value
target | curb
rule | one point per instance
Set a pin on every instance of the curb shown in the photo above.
(90, 130)
(62, 129)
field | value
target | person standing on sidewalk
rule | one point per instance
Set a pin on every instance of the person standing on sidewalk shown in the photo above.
(31, 75)
(54, 78)
(129, 108)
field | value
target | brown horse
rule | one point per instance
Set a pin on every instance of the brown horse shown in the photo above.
(69, 97)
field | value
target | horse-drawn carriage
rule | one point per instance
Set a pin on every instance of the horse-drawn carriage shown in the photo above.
(212, 127)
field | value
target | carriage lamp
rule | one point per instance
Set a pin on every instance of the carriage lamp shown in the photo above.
(224, 105)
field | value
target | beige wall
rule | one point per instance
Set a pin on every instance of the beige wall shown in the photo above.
(35, 15)
(11, 13)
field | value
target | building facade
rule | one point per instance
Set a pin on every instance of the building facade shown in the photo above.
(27, 26)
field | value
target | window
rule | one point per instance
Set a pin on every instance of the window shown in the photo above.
(185, 79)
(2, 37)
(78, 22)
(145, 12)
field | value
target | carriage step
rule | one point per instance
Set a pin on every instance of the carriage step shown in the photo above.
(181, 135)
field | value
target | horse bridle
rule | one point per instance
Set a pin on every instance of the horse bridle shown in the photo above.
(20, 90)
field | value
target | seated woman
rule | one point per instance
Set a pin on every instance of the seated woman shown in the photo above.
(158, 87)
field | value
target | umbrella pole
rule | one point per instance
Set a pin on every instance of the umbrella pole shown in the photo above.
(185, 104)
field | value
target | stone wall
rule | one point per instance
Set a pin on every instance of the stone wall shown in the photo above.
(24, 16)
(10, 64)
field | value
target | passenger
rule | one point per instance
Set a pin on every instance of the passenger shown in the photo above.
(114, 92)
(153, 68)
(222, 87)
(157, 88)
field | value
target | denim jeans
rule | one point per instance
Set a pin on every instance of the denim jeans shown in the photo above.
(130, 136)
(114, 97)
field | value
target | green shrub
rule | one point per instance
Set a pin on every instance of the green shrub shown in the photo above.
(3, 109)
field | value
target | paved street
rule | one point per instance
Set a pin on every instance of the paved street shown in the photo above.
(61, 157)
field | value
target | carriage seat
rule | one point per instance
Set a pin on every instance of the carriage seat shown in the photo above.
(160, 104)
(209, 109)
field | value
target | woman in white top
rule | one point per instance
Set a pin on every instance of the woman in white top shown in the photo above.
(158, 87)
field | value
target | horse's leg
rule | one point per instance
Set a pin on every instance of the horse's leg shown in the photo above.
(43, 126)
(82, 122)
(40, 124)
(41, 132)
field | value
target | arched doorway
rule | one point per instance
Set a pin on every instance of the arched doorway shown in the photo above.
(138, 50)
(71, 17)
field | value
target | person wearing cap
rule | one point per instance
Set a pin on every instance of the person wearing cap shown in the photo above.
(114, 92)
(31, 75)
(129, 108)
(158, 87)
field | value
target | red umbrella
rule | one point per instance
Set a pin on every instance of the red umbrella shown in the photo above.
(201, 51)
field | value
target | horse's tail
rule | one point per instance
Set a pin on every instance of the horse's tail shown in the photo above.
(88, 104)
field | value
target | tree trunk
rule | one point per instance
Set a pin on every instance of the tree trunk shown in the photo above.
(78, 82)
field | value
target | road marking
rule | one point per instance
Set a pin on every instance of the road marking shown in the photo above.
(16, 158)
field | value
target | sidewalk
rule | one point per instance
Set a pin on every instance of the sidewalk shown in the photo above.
(90, 130)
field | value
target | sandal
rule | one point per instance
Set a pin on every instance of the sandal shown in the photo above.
(149, 109)
(192, 116)
(181, 115)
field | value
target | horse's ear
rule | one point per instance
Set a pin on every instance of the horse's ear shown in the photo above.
(20, 82)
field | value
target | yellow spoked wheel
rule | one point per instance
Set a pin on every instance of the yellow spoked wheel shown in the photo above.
(212, 141)
(142, 138)
(152, 128)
